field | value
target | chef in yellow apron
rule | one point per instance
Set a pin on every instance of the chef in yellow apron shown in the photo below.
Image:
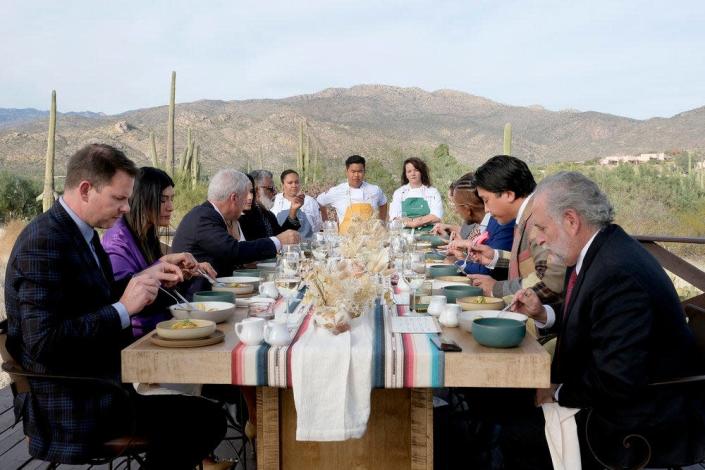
(356, 198)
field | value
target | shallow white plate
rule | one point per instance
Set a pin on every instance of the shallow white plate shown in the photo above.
(239, 279)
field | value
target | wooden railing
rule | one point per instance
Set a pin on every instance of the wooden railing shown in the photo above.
(675, 264)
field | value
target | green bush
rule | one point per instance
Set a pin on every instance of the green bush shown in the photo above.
(18, 197)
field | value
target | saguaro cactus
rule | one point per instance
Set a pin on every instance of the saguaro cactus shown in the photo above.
(195, 167)
(153, 150)
(187, 154)
(508, 139)
(300, 154)
(170, 128)
(48, 194)
(307, 159)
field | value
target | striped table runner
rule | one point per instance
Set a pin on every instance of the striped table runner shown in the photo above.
(400, 360)
(265, 364)
(404, 360)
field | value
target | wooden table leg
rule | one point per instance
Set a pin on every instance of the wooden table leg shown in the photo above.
(421, 429)
(267, 428)
(418, 415)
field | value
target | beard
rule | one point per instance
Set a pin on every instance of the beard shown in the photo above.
(266, 201)
(560, 247)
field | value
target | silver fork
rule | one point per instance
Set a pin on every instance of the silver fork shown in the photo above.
(212, 281)
(465, 262)
(180, 299)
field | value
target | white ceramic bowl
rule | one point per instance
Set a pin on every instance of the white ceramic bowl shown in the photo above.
(488, 303)
(217, 312)
(204, 329)
(238, 285)
(466, 318)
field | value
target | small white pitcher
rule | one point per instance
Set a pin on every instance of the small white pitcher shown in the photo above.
(276, 333)
(268, 289)
(437, 305)
(449, 316)
(250, 330)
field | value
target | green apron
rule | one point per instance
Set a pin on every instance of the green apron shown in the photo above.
(413, 207)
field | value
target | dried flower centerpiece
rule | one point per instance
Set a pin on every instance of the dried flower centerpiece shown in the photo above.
(346, 289)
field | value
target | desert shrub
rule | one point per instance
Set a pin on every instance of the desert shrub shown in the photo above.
(18, 197)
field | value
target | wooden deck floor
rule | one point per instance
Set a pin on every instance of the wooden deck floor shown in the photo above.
(13, 446)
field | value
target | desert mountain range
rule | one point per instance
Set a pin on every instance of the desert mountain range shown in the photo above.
(372, 120)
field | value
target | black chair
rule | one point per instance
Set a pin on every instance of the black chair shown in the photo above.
(696, 323)
(130, 447)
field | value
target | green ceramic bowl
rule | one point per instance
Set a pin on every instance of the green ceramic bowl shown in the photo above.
(216, 296)
(444, 270)
(498, 332)
(435, 240)
(453, 293)
(434, 255)
(246, 272)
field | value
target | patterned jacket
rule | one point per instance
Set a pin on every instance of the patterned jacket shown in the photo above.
(529, 264)
(60, 321)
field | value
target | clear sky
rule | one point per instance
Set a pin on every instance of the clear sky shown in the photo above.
(632, 58)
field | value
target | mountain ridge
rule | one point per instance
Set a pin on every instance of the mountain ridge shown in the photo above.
(370, 119)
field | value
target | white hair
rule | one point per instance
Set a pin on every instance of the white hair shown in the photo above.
(226, 182)
(571, 190)
(260, 175)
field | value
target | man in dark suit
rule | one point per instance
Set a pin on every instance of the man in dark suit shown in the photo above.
(621, 329)
(210, 231)
(66, 316)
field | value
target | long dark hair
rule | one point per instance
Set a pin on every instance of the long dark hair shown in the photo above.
(145, 207)
(421, 166)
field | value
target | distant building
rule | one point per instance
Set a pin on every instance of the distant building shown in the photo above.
(634, 159)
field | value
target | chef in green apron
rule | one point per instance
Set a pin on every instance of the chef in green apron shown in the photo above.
(416, 202)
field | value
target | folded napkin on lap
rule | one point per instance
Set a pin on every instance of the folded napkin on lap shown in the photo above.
(562, 436)
(168, 389)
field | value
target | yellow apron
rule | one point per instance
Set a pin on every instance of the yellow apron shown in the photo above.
(359, 210)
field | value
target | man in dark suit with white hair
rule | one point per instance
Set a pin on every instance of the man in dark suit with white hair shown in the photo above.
(621, 330)
(210, 231)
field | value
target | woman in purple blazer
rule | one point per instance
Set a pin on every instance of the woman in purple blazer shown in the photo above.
(133, 242)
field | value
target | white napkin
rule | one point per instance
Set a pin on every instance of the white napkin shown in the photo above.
(332, 381)
(562, 436)
(168, 389)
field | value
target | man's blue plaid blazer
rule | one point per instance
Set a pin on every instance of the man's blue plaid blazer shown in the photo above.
(60, 321)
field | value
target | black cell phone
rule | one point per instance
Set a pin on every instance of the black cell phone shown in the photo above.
(445, 344)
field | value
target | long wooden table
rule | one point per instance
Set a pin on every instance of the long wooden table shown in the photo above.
(400, 429)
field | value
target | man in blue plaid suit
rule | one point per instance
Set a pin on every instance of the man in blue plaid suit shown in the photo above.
(66, 316)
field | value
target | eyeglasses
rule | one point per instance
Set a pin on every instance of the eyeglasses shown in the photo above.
(271, 189)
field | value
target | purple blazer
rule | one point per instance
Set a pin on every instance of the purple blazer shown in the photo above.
(127, 259)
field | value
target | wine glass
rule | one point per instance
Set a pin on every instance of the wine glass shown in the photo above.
(319, 247)
(395, 226)
(287, 282)
(290, 261)
(414, 273)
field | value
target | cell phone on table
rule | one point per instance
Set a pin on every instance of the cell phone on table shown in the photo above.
(445, 344)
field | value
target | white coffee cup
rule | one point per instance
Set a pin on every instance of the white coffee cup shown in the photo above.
(250, 330)
(268, 289)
